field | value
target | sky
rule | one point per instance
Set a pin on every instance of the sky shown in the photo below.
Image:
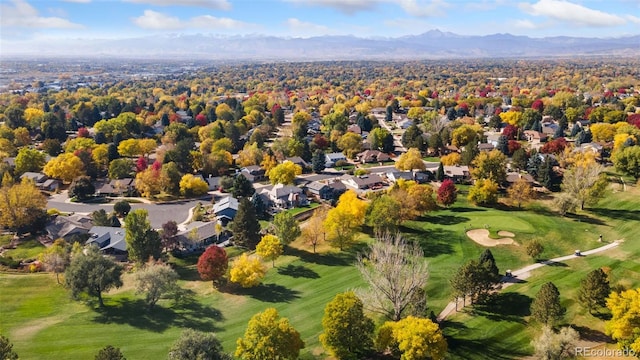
(24, 23)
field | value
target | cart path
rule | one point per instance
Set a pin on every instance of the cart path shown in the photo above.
(525, 272)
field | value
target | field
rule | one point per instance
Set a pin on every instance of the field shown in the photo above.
(42, 321)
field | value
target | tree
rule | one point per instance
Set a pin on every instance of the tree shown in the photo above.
(286, 227)
(585, 183)
(520, 192)
(594, 290)
(411, 160)
(476, 278)
(627, 160)
(469, 153)
(347, 332)
(378, 137)
(447, 193)
(519, 159)
(552, 346)
(395, 271)
(143, 242)
(193, 186)
(122, 208)
(269, 337)
(440, 172)
(269, 248)
(245, 225)
(65, 167)
(350, 143)
(383, 214)
(344, 220)
(464, 135)
(92, 273)
(534, 248)
(247, 271)
(82, 188)
(213, 263)
(415, 338)
(110, 353)
(6, 349)
(483, 192)
(56, 258)
(168, 235)
(242, 187)
(314, 233)
(120, 168)
(451, 159)
(29, 160)
(155, 279)
(625, 317)
(546, 307)
(101, 218)
(21, 205)
(503, 145)
(284, 173)
(197, 345)
(318, 161)
(490, 165)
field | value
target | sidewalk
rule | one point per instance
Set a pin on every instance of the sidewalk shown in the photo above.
(525, 272)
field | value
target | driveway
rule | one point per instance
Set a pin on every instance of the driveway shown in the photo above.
(158, 213)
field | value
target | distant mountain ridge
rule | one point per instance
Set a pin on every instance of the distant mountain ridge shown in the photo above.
(433, 44)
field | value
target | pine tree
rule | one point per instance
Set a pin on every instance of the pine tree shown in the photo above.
(594, 290)
(259, 206)
(245, 226)
(486, 258)
(440, 172)
(547, 176)
(242, 187)
(546, 307)
(575, 129)
(318, 161)
(470, 152)
(503, 145)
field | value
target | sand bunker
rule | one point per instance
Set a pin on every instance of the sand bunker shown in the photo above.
(481, 236)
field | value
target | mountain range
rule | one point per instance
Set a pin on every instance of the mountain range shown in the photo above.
(433, 44)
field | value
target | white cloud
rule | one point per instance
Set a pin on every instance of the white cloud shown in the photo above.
(633, 19)
(419, 8)
(211, 4)
(20, 14)
(303, 28)
(524, 24)
(575, 14)
(153, 20)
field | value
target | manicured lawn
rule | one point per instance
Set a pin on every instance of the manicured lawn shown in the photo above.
(42, 321)
(28, 248)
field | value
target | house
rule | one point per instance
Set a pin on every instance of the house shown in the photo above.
(458, 174)
(422, 177)
(354, 129)
(110, 240)
(213, 182)
(370, 181)
(371, 156)
(512, 177)
(226, 209)
(326, 190)
(332, 158)
(532, 135)
(485, 147)
(37, 178)
(197, 234)
(405, 123)
(117, 187)
(493, 139)
(298, 161)
(65, 227)
(397, 175)
(50, 185)
(284, 196)
(592, 146)
(253, 173)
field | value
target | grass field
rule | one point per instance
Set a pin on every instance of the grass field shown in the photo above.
(43, 322)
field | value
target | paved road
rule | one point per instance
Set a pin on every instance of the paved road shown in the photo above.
(525, 272)
(158, 213)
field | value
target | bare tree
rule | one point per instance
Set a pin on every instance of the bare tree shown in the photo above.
(396, 273)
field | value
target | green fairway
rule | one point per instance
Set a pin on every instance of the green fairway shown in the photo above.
(43, 322)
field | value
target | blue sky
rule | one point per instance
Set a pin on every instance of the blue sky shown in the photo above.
(24, 22)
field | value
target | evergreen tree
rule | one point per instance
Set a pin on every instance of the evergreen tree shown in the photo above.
(533, 164)
(575, 129)
(389, 114)
(440, 172)
(487, 259)
(318, 161)
(562, 123)
(245, 226)
(547, 176)
(470, 152)
(559, 132)
(594, 290)
(546, 307)
(503, 145)
(388, 145)
(519, 159)
(306, 151)
(242, 187)
(537, 126)
(259, 206)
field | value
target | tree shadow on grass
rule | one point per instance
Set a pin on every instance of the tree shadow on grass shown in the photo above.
(585, 219)
(466, 209)
(186, 313)
(327, 259)
(444, 219)
(507, 306)
(433, 242)
(272, 293)
(619, 214)
(464, 349)
(590, 334)
(298, 271)
(552, 263)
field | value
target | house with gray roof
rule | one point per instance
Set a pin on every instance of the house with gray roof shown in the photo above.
(197, 234)
(65, 227)
(226, 209)
(284, 196)
(332, 158)
(110, 240)
(369, 181)
(253, 173)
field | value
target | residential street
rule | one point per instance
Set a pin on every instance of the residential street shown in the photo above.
(158, 213)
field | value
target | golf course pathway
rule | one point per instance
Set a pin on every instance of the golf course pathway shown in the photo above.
(525, 272)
